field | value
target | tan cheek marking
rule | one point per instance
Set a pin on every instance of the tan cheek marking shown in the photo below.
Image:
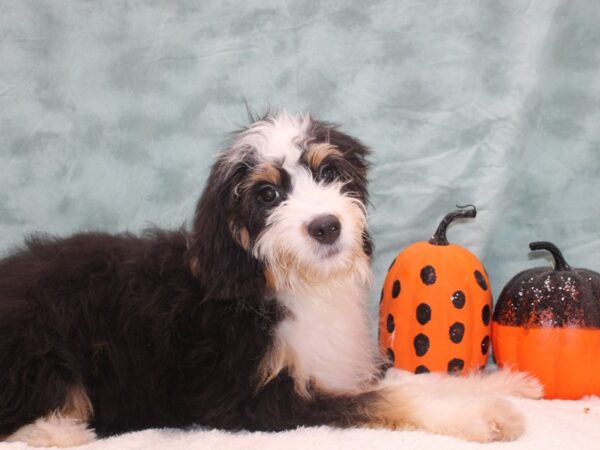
(195, 266)
(244, 237)
(318, 152)
(240, 235)
(270, 279)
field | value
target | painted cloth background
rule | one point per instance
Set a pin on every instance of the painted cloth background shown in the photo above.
(111, 112)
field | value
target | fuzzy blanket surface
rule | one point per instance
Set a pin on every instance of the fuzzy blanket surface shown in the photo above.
(551, 424)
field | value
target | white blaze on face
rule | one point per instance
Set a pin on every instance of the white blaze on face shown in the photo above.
(278, 139)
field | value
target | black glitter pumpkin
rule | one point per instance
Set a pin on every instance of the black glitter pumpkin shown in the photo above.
(547, 322)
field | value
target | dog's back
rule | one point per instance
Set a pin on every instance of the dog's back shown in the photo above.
(117, 322)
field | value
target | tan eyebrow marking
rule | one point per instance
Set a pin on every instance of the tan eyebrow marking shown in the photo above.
(316, 153)
(265, 172)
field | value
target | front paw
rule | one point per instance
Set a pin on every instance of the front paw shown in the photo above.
(495, 419)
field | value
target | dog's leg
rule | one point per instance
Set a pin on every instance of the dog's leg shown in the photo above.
(431, 404)
(501, 382)
(409, 403)
(65, 427)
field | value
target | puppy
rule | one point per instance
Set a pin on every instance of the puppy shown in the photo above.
(254, 319)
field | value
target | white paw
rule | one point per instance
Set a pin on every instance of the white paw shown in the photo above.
(480, 418)
(494, 420)
(53, 431)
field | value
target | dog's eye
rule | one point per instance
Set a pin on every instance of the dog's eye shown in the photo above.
(328, 173)
(268, 195)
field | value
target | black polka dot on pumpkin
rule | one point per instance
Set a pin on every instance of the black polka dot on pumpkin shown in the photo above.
(390, 355)
(458, 299)
(390, 323)
(457, 331)
(392, 264)
(480, 280)
(421, 343)
(485, 315)
(423, 313)
(428, 275)
(396, 289)
(455, 365)
(485, 345)
(421, 369)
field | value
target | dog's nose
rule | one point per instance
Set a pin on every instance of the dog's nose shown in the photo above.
(325, 229)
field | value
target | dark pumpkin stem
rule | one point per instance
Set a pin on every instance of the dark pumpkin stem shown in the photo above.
(559, 259)
(439, 238)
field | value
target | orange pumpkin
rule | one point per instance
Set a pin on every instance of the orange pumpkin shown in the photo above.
(547, 322)
(435, 306)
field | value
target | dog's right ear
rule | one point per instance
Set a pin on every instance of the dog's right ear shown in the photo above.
(224, 267)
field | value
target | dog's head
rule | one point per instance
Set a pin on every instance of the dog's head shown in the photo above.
(285, 203)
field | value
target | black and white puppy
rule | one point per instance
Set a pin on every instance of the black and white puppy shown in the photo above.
(255, 319)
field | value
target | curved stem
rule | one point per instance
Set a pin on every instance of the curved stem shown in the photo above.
(439, 238)
(559, 259)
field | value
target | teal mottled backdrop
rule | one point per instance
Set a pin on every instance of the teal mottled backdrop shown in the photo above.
(111, 112)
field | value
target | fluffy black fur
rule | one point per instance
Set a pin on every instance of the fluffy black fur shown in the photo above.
(163, 329)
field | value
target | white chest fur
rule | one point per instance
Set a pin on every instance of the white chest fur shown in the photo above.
(326, 337)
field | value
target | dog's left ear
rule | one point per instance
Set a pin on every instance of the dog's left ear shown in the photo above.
(224, 267)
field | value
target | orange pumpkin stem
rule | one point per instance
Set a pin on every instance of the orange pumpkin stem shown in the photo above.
(559, 259)
(439, 238)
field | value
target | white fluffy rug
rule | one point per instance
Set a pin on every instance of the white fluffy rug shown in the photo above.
(553, 424)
